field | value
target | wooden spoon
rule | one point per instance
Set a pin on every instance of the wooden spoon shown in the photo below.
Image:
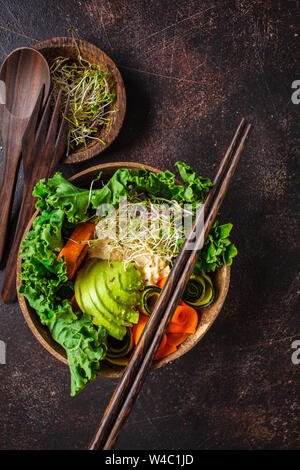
(23, 74)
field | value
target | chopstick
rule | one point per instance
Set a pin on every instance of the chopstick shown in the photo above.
(140, 362)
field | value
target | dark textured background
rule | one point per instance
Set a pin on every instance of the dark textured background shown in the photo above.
(191, 69)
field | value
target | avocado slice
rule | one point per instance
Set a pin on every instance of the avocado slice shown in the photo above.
(110, 293)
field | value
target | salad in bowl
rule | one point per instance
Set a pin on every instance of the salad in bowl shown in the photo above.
(95, 258)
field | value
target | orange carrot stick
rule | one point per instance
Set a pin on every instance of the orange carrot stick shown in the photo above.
(74, 251)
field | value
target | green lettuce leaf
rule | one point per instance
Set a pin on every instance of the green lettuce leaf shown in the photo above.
(197, 185)
(59, 193)
(84, 344)
(217, 250)
(77, 203)
(47, 289)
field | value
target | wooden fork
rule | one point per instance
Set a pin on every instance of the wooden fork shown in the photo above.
(43, 146)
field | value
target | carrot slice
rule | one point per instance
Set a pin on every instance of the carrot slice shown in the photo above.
(137, 330)
(185, 320)
(162, 282)
(165, 351)
(74, 251)
(176, 338)
(162, 345)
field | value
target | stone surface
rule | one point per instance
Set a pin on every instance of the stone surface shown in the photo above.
(191, 70)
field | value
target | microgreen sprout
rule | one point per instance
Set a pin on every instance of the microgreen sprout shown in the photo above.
(138, 229)
(91, 93)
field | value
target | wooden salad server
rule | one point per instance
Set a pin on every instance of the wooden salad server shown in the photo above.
(43, 146)
(24, 72)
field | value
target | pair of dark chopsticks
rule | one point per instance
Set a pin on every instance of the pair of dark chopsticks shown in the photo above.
(140, 362)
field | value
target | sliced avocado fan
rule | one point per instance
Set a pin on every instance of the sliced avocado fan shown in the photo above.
(110, 292)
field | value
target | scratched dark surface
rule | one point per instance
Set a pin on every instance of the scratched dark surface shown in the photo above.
(191, 69)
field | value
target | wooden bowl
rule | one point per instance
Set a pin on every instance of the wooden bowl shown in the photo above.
(221, 281)
(63, 46)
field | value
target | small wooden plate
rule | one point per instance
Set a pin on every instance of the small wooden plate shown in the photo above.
(221, 280)
(63, 46)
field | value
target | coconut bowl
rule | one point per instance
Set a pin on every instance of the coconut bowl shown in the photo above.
(65, 47)
(207, 315)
